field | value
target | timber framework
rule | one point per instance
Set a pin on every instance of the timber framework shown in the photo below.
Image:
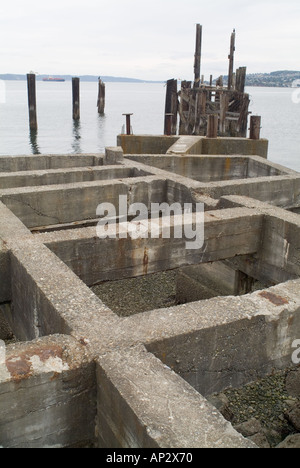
(207, 108)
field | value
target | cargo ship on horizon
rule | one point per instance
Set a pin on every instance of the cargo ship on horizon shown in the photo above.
(52, 79)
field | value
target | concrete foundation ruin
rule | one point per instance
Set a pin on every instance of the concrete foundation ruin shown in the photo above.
(79, 374)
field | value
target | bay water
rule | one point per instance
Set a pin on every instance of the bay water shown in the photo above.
(58, 133)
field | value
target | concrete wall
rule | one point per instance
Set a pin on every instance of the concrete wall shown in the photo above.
(66, 176)
(200, 282)
(213, 168)
(131, 415)
(145, 144)
(82, 251)
(45, 162)
(58, 204)
(47, 395)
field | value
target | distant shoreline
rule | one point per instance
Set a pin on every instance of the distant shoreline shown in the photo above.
(86, 78)
(277, 79)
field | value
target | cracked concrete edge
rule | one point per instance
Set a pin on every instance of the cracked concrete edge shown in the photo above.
(156, 408)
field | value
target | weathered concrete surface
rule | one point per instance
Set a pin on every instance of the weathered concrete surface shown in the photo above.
(235, 146)
(145, 144)
(186, 145)
(196, 283)
(224, 342)
(113, 155)
(227, 233)
(283, 191)
(66, 176)
(172, 416)
(45, 162)
(213, 168)
(156, 144)
(10, 228)
(58, 204)
(277, 259)
(47, 395)
(4, 273)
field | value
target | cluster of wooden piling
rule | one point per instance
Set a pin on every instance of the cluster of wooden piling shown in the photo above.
(32, 101)
(207, 109)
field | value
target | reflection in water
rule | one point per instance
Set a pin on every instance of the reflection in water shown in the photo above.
(101, 132)
(76, 136)
(33, 136)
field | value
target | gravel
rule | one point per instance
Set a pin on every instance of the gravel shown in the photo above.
(266, 400)
(132, 296)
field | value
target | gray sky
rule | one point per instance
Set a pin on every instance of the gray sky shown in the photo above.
(152, 39)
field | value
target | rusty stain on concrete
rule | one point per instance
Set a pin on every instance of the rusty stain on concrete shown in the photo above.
(274, 298)
(145, 261)
(20, 365)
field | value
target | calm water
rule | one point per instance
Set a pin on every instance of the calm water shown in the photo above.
(58, 134)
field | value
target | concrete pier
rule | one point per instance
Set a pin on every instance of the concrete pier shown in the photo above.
(79, 375)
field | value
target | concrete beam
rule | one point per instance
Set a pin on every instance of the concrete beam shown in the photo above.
(278, 256)
(227, 233)
(168, 417)
(223, 342)
(58, 204)
(66, 176)
(46, 161)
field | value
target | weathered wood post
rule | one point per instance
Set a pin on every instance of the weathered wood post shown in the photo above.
(231, 60)
(76, 98)
(101, 97)
(224, 104)
(255, 126)
(168, 131)
(31, 86)
(212, 126)
(184, 107)
(171, 106)
(240, 81)
(197, 64)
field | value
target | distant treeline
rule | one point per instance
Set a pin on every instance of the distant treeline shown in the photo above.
(278, 79)
(90, 78)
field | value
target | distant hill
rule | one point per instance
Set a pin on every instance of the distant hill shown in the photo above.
(90, 78)
(282, 79)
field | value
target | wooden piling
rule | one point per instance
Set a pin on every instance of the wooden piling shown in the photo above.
(231, 60)
(171, 106)
(212, 126)
(255, 126)
(101, 97)
(224, 104)
(76, 98)
(197, 64)
(240, 81)
(184, 107)
(31, 86)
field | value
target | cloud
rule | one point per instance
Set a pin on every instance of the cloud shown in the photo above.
(155, 39)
